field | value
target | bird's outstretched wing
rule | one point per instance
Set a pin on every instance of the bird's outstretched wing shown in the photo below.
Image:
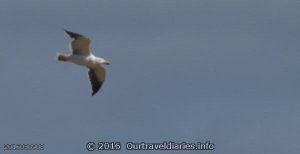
(97, 77)
(80, 45)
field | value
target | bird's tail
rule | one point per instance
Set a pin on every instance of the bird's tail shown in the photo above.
(62, 57)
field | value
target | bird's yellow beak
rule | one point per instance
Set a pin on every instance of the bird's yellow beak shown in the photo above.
(106, 62)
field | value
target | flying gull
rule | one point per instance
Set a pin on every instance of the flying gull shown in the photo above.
(82, 55)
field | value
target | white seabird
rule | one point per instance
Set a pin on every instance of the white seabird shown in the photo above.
(82, 55)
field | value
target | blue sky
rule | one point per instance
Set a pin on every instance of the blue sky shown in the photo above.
(223, 71)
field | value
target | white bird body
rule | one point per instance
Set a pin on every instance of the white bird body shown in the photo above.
(84, 60)
(81, 55)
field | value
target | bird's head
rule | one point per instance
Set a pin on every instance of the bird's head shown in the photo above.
(102, 61)
(106, 62)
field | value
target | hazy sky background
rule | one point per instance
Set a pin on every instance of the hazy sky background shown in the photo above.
(226, 71)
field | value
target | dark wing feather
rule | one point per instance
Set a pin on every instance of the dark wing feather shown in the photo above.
(73, 35)
(96, 83)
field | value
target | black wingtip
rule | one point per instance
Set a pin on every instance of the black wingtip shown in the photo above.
(95, 91)
(97, 88)
(96, 84)
(73, 35)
